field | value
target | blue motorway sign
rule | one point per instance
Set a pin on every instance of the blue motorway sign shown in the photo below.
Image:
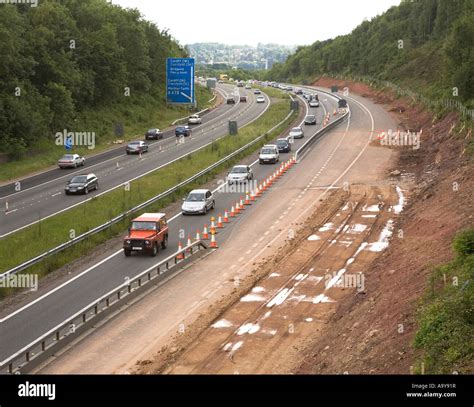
(180, 80)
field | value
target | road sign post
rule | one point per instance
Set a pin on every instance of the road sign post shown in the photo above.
(180, 81)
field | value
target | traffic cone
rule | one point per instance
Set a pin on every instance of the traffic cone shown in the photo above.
(213, 226)
(252, 197)
(6, 206)
(180, 256)
(140, 154)
(205, 234)
(188, 244)
(213, 244)
(226, 217)
(198, 235)
(219, 221)
(241, 203)
(335, 112)
(237, 208)
(232, 211)
(247, 199)
(117, 166)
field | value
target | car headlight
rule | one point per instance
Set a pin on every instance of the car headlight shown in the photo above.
(147, 242)
(80, 187)
(128, 241)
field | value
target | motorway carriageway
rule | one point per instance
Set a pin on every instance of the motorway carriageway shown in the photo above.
(22, 326)
(43, 195)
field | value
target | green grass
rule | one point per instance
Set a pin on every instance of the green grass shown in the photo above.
(446, 317)
(56, 230)
(137, 114)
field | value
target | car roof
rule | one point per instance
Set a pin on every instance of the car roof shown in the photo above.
(199, 191)
(269, 145)
(149, 217)
(282, 139)
(239, 166)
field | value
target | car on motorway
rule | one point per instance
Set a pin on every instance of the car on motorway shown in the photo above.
(248, 86)
(136, 147)
(82, 184)
(243, 98)
(298, 92)
(183, 131)
(257, 92)
(296, 132)
(310, 120)
(71, 161)
(260, 99)
(314, 103)
(240, 84)
(269, 154)
(147, 234)
(239, 173)
(198, 201)
(283, 145)
(307, 96)
(194, 119)
(231, 101)
(342, 103)
(153, 134)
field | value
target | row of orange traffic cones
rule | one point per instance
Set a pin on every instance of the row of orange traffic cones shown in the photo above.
(238, 207)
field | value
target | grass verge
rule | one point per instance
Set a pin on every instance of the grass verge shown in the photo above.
(56, 230)
(136, 113)
(446, 317)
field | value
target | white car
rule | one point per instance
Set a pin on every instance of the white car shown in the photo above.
(269, 154)
(296, 132)
(260, 99)
(240, 173)
(194, 119)
(313, 103)
(248, 86)
(71, 161)
(199, 201)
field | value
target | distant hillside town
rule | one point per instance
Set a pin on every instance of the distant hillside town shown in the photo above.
(263, 56)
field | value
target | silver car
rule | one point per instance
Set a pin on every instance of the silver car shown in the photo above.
(199, 201)
(296, 132)
(71, 161)
(194, 119)
(240, 173)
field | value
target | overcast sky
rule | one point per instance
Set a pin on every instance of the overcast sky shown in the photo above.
(286, 22)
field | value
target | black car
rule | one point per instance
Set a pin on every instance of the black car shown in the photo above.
(136, 147)
(283, 145)
(153, 134)
(230, 101)
(82, 184)
(342, 103)
(310, 119)
(183, 131)
(298, 92)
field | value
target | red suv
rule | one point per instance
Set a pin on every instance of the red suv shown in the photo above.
(147, 233)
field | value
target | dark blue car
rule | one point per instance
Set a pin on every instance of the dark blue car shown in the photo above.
(183, 131)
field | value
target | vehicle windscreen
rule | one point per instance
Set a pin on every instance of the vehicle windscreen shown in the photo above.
(268, 151)
(296, 129)
(195, 197)
(134, 143)
(282, 142)
(239, 170)
(309, 117)
(67, 157)
(180, 128)
(151, 131)
(79, 179)
(143, 226)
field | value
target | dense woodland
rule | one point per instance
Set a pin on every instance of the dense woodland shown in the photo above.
(62, 57)
(427, 45)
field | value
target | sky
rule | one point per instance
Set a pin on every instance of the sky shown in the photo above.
(248, 22)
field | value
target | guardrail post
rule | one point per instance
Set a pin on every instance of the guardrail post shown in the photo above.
(129, 288)
(118, 295)
(84, 318)
(57, 336)
(107, 302)
(96, 309)
(43, 346)
(10, 368)
(27, 354)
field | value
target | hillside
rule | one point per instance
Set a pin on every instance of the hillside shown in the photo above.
(82, 65)
(424, 45)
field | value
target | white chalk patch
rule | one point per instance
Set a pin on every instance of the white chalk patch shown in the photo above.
(313, 238)
(371, 208)
(314, 279)
(401, 201)
(321, 298)
(267, 314)
(280, 297)
(384, 238)
(227, 346)
(299, 277)
(369, 216)
(274, 275)
(269, 331)
(223, 323)
(326, 227)
(357, 228)
(335, 279)
(258, 290)
(346, 207)
(248, 328)
(252, 298)
(346, 243)
(309, 319)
